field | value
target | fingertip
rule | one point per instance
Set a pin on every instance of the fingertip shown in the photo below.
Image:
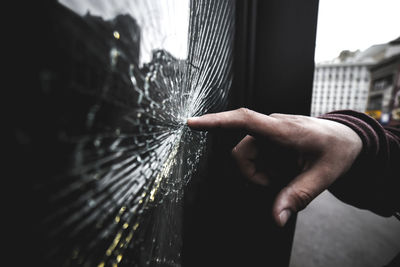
(283, 217)
(282, 207)
(193, 122)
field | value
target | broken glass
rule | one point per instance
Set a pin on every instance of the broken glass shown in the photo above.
(137, 69)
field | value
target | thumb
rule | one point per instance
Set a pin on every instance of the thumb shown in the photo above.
(298, 194)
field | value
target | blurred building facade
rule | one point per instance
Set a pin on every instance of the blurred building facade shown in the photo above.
(345, 82)
(340, 86)
(384, 94)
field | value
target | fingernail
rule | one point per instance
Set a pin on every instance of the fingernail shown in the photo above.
(284, 216)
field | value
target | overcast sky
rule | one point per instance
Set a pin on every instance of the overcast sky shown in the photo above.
(355, 24)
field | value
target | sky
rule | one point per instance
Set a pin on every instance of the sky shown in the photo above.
(355, 24)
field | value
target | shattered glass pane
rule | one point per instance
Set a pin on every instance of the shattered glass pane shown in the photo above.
(140, 69)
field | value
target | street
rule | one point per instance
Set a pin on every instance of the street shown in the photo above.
(330, 233)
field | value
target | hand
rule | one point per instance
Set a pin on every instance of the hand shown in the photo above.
(325, 151)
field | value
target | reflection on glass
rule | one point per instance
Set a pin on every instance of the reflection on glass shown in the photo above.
(162, 23)
(135, 70)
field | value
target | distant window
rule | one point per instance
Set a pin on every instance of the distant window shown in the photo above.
(383, 83)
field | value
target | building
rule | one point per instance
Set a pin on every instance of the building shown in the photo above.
(340, 86)
(384, 94)
(344, 83)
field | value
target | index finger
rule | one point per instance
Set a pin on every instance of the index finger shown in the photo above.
(242, 119)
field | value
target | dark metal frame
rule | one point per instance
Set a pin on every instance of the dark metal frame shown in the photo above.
(227, 219)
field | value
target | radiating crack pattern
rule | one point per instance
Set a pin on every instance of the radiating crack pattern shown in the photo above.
(119, 201)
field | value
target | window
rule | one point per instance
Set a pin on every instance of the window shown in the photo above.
(383, 83)
(144, 67)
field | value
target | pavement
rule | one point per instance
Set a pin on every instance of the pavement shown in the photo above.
(330, 233)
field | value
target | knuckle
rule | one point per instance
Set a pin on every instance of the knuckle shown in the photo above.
(244, 112)
(245, 116)
(301, 197)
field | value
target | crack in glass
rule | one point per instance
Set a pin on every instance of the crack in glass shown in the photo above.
(145, 66)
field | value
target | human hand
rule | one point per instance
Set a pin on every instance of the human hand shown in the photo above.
(325, 151)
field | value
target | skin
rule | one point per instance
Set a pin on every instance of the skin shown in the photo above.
(325, 150)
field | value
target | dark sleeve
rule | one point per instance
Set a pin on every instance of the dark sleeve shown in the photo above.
(373, 182)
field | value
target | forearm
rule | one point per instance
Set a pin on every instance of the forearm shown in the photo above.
(374, 180)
